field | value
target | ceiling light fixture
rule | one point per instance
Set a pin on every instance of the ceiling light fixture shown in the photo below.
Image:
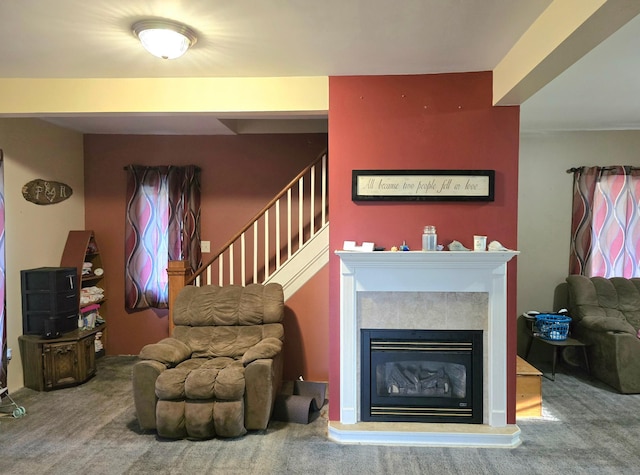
(165, 39)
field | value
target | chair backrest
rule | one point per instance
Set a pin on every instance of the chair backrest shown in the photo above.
(226, 321)
(616, 297)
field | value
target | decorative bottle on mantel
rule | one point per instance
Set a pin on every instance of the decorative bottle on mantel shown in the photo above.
(429, 239)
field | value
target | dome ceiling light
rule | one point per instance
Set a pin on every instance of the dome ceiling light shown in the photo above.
(164, 38)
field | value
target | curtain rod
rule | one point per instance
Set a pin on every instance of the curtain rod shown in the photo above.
(577, 169)
(126, 167)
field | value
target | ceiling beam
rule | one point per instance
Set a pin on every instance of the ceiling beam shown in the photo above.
(564, 33)
(249, 96)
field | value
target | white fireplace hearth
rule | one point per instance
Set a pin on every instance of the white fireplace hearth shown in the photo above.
(440, 290)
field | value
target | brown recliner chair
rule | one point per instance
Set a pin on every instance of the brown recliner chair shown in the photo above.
(220, 371)
(606, 316)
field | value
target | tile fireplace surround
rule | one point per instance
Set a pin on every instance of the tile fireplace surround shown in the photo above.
(433, 291)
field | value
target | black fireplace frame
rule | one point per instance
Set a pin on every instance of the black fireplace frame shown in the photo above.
(451, 346)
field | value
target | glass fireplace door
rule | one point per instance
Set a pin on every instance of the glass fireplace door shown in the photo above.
(421, 376)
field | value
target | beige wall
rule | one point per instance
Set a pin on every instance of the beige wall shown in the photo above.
(544, 203)
(35, 235)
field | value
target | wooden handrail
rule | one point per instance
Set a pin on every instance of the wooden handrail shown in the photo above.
(258, 215)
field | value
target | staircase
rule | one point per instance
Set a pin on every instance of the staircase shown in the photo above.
(286, 242)
(304, 264)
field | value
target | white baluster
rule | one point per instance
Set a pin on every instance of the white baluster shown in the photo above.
(277, 237)
(266, 245)
(255, 252)
(243, 257)
(312, 202)
(221, 270)
(231, 266)
(324, 189)
(289, 223)
(300, 212)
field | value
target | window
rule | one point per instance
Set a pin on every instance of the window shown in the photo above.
(162, 225)
(605, 227)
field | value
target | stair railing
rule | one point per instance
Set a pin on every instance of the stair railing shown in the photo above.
(268, 240)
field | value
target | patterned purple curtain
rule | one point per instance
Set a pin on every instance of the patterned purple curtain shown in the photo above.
(605, 228)
(162, 224)
(3, 307)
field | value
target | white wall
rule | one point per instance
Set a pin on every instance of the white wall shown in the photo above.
(545, 200)
(36, 234)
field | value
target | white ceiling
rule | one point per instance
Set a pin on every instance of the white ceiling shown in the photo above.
(601, 91)
(265, 38)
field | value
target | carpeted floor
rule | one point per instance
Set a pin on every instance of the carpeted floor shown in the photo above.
(92, 429)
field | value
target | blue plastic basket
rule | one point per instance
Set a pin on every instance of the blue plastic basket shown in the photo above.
(552, 327)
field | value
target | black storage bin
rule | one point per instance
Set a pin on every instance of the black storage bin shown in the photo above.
(57, 279)
(47, 325)
(49, 301)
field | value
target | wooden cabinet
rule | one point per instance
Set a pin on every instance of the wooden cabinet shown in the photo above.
(59, 362)
(82, 252)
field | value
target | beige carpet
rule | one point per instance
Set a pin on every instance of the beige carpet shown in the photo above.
(92, 429)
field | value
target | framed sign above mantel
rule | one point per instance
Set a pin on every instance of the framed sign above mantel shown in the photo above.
(423, 185)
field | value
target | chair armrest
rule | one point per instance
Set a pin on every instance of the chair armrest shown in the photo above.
(143, 377)
(169, 351)
(606, 324)
(266, 348)
(263, 378)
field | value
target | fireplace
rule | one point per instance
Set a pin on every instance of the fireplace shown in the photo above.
(424, 291)
(421, 376)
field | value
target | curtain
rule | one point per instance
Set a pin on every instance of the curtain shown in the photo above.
(162, 224)
(605, 227)
(3, 307)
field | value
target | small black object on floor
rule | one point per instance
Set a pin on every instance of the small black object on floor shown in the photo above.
(299, 401)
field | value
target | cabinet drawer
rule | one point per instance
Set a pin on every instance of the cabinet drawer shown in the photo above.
(50, 301)
(59, 279)
(41, 323)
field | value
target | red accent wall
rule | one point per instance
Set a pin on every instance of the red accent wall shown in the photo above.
(306, 323)
(443, 121)
(240, 174)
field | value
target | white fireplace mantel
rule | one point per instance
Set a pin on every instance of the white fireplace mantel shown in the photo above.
(437, 271)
